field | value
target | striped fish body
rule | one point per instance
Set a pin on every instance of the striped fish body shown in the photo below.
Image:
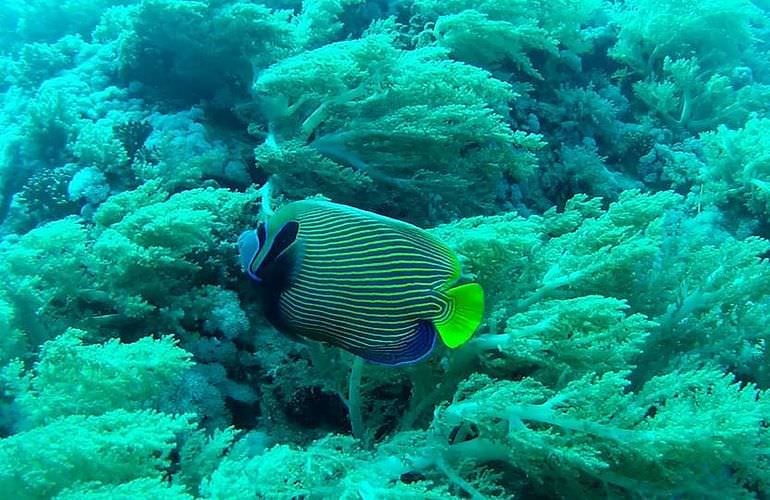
(375, 286)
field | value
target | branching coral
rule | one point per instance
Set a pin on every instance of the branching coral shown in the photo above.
(737, 167)
(334, 466)
(676, 280)
(80, 276)
(172, 239)
(594, 428)
(77, 449)
(46, 275)
(409, 121)
(210, 47)
(501, 34)
(180, 152)
(691, 62)
(624, 348)
(319, 21)
(690, 100)
(642, 441)
(71, 378)
(652, 30)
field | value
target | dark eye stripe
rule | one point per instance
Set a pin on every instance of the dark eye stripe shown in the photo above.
(285, 237)
(261, 234)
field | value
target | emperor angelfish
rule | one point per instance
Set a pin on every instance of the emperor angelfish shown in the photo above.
(378, 287)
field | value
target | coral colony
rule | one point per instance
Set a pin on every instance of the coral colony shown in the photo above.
(531, 262)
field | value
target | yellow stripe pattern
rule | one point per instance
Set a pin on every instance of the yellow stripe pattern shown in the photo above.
(365, 282)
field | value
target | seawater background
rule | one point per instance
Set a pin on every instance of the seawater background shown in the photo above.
(602, 168)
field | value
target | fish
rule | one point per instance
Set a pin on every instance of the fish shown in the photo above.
(378, 287)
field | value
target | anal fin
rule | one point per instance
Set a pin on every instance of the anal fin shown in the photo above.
(418, 347)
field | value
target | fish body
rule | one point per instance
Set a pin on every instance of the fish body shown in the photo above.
(378, 287)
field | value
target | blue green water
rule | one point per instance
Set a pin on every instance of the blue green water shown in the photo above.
(600, 169)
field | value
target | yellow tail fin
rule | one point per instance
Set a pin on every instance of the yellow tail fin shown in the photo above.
(468, 309)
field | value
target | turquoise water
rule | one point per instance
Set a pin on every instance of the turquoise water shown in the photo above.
(600, 169)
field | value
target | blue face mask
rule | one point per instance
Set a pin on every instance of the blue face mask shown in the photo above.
(249, 243)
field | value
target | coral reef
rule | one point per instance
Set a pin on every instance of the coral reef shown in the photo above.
(601, 168)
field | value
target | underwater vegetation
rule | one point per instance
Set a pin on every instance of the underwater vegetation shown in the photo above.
(601, 169)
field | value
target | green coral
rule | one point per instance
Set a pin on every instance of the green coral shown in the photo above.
(624, 350)
(318, 22)
(688, 100)
(45, 277)
(737, 173)
(185, 237)
(78, 449)
(85, 277)
(592, 334)
(580, 251)
(593, 429)
(138, 488)
(334, 466)
(492, 34)
(52, 117)
(596, 430)
(71, 378)
(703, 290)
(210, 46)
(652, 30)
(201, 455)
(690, 63)
(39, 62)
(413, 122)
(97, 145)
(89, 422)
